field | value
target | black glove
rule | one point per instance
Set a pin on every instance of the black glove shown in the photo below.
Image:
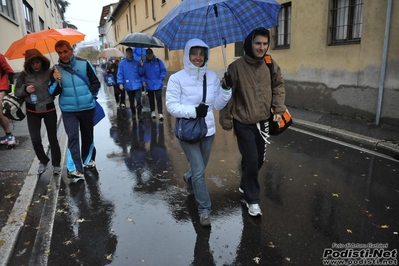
(202, 110)
(228, 81)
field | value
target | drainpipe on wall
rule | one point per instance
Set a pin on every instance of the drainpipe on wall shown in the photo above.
(384, 63)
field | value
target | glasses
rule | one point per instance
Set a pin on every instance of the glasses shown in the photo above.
(34, 62)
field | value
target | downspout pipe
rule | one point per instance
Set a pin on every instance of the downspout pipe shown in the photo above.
(383, 63)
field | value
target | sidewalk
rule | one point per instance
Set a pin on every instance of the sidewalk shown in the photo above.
(381, 138)
(18, 166)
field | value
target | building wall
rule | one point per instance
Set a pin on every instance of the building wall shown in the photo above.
(13, 30)
(340, 79)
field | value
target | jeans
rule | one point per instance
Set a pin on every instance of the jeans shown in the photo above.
(252, 147)
(197, 155)
(34, 126)
(158, 96)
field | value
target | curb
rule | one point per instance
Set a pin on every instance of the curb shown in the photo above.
(368, 142)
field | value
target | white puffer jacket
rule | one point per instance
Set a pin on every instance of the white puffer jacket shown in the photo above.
(185, 88)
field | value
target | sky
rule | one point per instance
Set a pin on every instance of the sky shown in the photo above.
(86, 15)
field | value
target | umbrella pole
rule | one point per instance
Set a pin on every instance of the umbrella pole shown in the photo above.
(223, 45)
(52, 61)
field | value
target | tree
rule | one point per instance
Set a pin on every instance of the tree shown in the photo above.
(62, 6)
(90, 53)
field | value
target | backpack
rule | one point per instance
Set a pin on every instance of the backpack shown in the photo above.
(274, 127)
(13, 107)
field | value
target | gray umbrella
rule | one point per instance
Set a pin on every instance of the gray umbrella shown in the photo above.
(141, 39)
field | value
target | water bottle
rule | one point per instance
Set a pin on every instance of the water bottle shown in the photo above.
(33, 98)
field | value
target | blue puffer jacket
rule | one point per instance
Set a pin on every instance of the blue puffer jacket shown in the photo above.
(155, 72)
(76, 94)
(128, 74)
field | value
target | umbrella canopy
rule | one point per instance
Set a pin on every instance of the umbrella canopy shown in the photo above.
(216, 22)
(43, 41)
(110, 52)
(141, 39)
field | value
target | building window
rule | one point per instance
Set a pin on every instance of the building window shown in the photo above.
(127, 22)
(51, 7)
(41, 23)
(166, 53)
(346, 21)
(163, 2)
(135, 15)
(282, 37)
(28, 14)
(7, 8)
(146, 8)
(239, 49)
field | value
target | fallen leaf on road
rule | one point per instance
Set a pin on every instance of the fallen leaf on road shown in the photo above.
(335, 195)
(349, 231)
(384, 226)
(256, 259)
(73, 255)
(131, 220)
(22, 252)
(109, 257)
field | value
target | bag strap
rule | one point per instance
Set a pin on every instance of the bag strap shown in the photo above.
(204, 89)
(269, 64)
(73, 72)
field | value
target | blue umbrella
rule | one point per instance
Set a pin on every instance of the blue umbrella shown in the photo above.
(216, 22)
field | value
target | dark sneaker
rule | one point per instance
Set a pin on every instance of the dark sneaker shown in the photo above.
(205, 219)
(75, 174)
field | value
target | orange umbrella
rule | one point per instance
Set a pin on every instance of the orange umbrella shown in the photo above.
(43, 41)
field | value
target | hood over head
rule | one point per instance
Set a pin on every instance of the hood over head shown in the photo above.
(186, 57)
(248, 47)
(32, 54)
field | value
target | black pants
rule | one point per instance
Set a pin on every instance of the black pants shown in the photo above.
(34, 126)
(120, 95)
(252, 143)
(155, 95)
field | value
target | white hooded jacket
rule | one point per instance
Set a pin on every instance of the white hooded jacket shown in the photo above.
(185, 88)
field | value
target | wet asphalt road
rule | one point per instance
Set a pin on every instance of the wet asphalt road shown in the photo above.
(133, 209)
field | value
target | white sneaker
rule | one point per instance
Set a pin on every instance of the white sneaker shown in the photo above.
(75, 174)
(42, 168)
(8, 140)
(56, 170)
(153, 116)
(161, 117)
(240, 190)
(254, 209)
(91, 164)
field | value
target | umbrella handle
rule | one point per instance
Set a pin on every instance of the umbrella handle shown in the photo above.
(223, 46)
